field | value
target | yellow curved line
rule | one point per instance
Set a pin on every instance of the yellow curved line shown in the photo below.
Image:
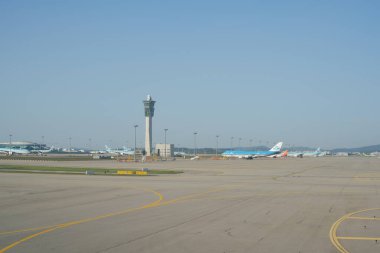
(68, 224)
(334, 238)
(160, 198)
(156, 203)
(24, 230)
(26, 239)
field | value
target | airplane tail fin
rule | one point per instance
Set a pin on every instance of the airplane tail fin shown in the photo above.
(318, 150)
(107, 148)
(277, 147)
(285, 153)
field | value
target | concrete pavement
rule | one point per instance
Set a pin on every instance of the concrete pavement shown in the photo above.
(267, 205)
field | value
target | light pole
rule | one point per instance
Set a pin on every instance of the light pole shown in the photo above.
(232, 146)
(43, 140)
(195, 143)
(69, 144)
(90, 144)
(216, 151)
(126, 143)
(10, 144)
(239, 142)
(134, 153)
(165, 143)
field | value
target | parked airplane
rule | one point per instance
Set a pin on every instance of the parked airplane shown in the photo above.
(41, 151)
(316, 153)
(98, 152)
(179, 154)
(295, 154)
(313, 154)
(124, 151)
(11, 151)
(253, 154)
(282, 155)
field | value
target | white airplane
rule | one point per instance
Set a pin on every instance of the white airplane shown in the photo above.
(124, 151)
(180, 154)
(295, 154)
(11, 151)
(316, 153)
(98, 152)
(41, 151)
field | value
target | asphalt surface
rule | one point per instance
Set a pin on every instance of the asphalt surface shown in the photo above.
(268, 205)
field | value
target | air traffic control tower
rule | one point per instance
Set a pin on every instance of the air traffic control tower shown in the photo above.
(149, 113)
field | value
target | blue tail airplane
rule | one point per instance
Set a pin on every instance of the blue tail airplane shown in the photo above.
(253, 154)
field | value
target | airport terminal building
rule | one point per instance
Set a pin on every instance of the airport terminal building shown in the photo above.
(23, 145)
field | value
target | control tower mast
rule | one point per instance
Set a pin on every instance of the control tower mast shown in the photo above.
(149, 113)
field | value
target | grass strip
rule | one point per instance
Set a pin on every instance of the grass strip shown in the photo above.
(47, 158)
(73, 170)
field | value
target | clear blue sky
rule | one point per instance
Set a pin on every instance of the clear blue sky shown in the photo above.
(304, 72)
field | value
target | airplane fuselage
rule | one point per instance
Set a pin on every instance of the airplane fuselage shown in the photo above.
(11, 151)
(248, 154)
(253, 153)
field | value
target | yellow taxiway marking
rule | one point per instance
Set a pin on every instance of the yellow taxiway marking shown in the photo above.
(359, 238)
(25, 230)
(335, 239)
(363, 218)
(68, 224)
(160, 198)
(369, 176)
(156, 203)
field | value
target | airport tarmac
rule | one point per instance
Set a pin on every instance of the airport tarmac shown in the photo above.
(328, 204)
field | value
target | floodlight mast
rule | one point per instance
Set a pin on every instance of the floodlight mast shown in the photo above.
(195, 143)
(134, 153)
(165, 143)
